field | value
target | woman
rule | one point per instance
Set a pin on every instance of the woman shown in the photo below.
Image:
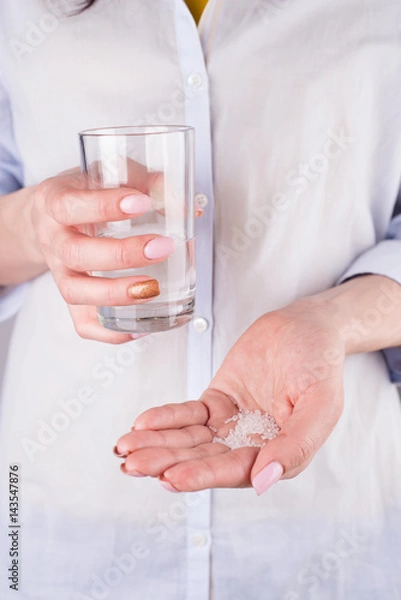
(296, 107)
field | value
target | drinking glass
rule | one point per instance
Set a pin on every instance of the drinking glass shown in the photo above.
(158, 161)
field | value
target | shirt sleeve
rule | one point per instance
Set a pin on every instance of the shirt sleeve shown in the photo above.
(384, 259)
(11, 179)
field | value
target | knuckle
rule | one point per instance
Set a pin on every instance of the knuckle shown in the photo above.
(43, 189)
(190, 436)
(41, 217)
(241, 467)
(43, 198)
(124, 254)
(62, 203)
(56, 206)
(67, 291)
(103, 206)
(69, 203)
(112, 295)
(81, 329)
(70, 254)
(306, 448)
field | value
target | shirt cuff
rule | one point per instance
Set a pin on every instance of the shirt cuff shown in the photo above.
(11, 300)
(393, 360)
(383, 259)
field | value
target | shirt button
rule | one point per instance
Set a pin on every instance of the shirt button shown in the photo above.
(200, 324)
(201, 200)
(199, 539)
(195, 80)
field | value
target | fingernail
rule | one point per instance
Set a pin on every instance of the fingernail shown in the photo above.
(167, 486)
(144, 289)
(135, 204)
(160, 247)
(116, 452)
(267, 477)
(132, 473)
(137, 336)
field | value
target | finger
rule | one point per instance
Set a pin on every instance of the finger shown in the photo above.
(79, 252)
(187, 437)
(88, 327)
(226, 469)
(69, 205)
(123, 172)
(220, 407)
(164, 199)
(154, 461)
(118, 170)
(81, 289)
(311, 423)
(173, 416)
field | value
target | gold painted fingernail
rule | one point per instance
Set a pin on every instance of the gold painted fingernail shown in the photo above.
(144, 289)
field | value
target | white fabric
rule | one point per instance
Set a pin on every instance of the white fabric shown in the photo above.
(305, 109)
(11, 300)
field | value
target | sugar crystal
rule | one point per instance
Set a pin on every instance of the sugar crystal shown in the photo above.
(261, 426)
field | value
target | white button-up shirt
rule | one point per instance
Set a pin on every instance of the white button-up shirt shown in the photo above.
(297, 111)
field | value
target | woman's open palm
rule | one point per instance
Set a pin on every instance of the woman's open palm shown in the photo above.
(289, 364)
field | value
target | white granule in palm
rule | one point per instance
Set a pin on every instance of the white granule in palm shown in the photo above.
(249, 423)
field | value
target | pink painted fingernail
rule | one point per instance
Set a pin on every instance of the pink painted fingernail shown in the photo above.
(167, 486)
(267, 477)
(135, 204)
(160, 247)
(137, 336)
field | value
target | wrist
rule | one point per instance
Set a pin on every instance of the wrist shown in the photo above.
(33, 247)
(21, 257)
(365, 311)
(323, 318)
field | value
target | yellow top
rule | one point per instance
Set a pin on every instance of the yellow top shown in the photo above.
(196, 7)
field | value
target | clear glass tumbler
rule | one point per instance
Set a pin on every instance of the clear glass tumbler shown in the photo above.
(157, 161)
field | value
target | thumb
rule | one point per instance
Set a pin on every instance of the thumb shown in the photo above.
(312, 421)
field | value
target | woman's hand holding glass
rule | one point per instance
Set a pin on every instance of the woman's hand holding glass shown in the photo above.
(62, 209)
